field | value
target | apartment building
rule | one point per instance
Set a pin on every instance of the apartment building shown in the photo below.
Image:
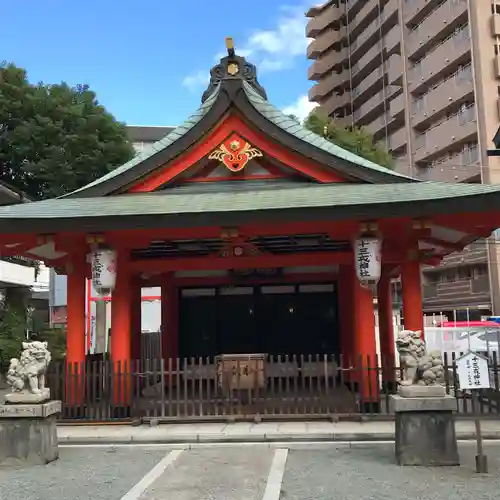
(424, 77)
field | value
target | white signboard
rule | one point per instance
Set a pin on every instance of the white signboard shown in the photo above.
(367, 255)
(104, 270)
(473, 372)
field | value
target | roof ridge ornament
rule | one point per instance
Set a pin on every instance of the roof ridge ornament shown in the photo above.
(233, 67)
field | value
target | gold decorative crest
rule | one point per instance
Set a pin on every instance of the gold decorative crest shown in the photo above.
(235, 153)
(233, 69)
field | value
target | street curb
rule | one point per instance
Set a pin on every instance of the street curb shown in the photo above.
(259, 438)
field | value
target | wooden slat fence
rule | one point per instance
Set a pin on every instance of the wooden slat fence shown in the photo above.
(296, 386)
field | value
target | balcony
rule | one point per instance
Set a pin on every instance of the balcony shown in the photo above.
(474, 254)
(371, 59)
(377, 127)
(323, 19)
(327, 84)
(335, 102)
(372, 84)
(459, 128)
(451, 54)
(457, 89)
(325, 63)
(371, 34)
(344, 121)
(395, 70)
(369, 110)
(415, 11)
(437, 26)
(452, 171)
(398, 140)
(397, 107)
(324, 42)
(392, 40)
(495, 25)
(311, 51)
(460, 293)
(367, 14)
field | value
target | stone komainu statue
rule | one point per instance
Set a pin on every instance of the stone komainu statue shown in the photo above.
(419, 367)
(28, 372)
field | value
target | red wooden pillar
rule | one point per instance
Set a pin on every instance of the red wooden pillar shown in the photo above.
(386, 328)
(413, 315)
(75, 329)
(346, 313)
(169, 319)
(136, 318)
(364, 343)
(121, 322)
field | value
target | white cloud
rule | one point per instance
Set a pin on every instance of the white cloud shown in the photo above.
(300, 108)
(196, 80)
(270, 50)
(283, 43)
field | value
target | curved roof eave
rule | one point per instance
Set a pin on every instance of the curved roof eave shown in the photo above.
(254, 107)
(313, 145)
(161, 151)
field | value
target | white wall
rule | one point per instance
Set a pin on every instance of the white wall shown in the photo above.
(15, 274)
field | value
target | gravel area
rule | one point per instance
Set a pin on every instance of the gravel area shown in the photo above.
(80, 474)
(313, 472)
(369, 472)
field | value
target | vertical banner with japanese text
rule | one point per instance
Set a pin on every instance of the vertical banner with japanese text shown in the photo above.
(367, 256)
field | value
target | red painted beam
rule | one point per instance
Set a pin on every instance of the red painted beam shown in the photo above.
(155, 281)
(260, 261)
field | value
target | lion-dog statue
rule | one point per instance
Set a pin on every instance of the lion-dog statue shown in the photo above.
(419, 367)
(28, 372)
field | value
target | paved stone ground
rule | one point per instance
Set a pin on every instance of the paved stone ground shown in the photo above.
(248, 472)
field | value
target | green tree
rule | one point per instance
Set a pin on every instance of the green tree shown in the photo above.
(12, 334)
(55, 138)
(355, 140)
(56, 339)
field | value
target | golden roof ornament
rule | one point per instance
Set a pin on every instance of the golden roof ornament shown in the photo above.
(232, 67)
(230, 46)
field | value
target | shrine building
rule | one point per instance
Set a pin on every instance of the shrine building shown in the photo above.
(263, 236)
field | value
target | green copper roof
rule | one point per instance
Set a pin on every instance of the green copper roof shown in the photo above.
(247, 199)
(296, 129)
(159, 145)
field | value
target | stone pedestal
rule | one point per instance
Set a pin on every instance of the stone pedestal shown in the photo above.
(27, 397)
(28, 434)
(425, 429)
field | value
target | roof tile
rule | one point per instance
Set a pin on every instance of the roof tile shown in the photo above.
(281, 120)
(247, 199)
(159, 145)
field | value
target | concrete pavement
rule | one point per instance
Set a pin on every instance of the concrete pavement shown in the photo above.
(241, 432)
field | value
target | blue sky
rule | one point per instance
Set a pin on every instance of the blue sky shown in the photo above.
(149, 60)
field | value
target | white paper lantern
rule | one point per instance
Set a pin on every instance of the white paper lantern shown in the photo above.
(368, 260)
(104, 271)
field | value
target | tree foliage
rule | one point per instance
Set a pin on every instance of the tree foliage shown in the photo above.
(55, 138)
(12, 334)
(356, 140)
(56, 339)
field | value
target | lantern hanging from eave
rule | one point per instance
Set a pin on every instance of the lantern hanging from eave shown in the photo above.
(368, 258)
(103, 263)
